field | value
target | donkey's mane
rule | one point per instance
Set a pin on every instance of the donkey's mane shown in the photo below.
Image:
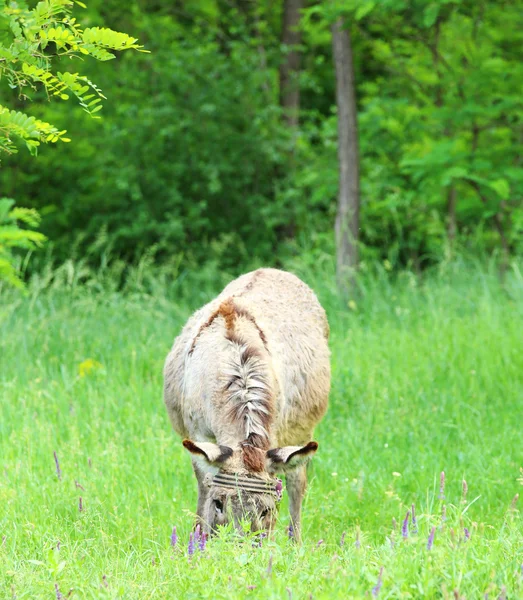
(247, 386)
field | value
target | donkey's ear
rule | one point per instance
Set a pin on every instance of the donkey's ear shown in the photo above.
(212, 454)
(289, 457)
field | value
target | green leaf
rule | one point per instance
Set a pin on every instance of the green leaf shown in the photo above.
(501, 187)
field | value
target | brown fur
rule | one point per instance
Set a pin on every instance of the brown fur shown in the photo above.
(253, 458)
(229, 311)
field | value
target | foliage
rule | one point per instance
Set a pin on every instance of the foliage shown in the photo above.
(414, 394)
(202, 167)
(32, 41)
(13, 236)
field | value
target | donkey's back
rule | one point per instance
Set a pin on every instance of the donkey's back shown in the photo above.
(296, 330)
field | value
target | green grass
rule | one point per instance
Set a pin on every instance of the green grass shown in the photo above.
(427, 377)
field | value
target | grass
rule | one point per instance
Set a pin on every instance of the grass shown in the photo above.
(427, 377)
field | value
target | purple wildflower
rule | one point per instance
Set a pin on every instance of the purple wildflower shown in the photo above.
(80, 504)
(174, 537)
(59, 595)
(190, 547)
(202, 541)
(342, 541)
(251, 587)
(467, 533)
(405, 526)
(442, 486)
(376, 589)
(58, 471)
(430, 541)
(261, 537)
(320, 542)
(269, 566)
(279, 489)
(414, 521)
(290, 532)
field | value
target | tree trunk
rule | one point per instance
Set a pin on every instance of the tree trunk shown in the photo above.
(290, 67)
(452, 225)
(347, 218)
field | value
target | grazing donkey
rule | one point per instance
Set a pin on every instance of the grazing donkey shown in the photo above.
(245, 383)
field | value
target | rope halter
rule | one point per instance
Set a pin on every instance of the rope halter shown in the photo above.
(256, 485)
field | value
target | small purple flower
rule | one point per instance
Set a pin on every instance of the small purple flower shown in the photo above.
(251, 587)
(342, 541)
(430, 541)
(202, 542)
(357, 543)
(59, 595)
(467, 533)
(414, 521)
(279, 489)
(290, 532)
(442, 485)
(197, 534)
(376, 589)
(190, 547)
(261, 537)
(269, 566)
(80, 504)
(320, 542)
(58, 545)
(58, 470)
(174, 537)
(405, 526)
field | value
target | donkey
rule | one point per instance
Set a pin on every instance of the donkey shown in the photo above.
(245, 383)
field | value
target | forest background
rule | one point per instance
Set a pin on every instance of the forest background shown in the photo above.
(220, 144)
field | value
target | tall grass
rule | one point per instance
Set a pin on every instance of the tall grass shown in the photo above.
(427, 377)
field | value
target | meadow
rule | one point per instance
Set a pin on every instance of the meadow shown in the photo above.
(427, 378)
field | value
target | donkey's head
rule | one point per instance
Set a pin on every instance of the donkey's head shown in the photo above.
(244, 488)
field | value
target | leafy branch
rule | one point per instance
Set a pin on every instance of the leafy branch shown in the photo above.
(30, 42)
